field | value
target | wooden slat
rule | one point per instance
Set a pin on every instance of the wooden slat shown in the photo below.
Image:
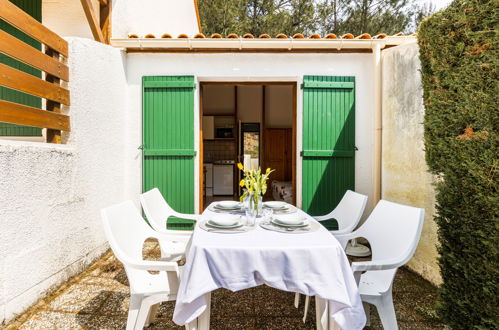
(92, 20)
(23, 52)
(104, 2)
(15, 113)
(27, 83)
(27, 24)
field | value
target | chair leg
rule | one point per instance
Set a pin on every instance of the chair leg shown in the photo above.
(386, 312)
(152, 314)
(297, 300)
(145, 307)
(133, 311)
(307, 304)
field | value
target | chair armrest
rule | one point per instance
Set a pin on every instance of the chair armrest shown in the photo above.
(172, 235)
(194, 217)
(362, 266)
(322, 217)
(343, 239)
(152, 265)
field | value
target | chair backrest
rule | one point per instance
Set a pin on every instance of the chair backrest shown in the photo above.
(393, 230)
(156, 208)
(125, 230)
(349, 210)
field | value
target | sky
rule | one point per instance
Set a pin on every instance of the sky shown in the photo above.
(439, 4)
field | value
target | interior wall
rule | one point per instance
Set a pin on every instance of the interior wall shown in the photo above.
(51, 195)
(279, 106)
(218, 99)
(405, 176)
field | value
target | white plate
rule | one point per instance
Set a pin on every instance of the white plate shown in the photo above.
(210, 224)
(276, 205)
(228, 205)
(290, 219)
(303, 223)
(225, 220)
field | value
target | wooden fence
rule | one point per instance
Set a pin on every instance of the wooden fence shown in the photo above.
(49, 61)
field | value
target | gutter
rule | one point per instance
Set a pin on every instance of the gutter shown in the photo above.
(241, 44)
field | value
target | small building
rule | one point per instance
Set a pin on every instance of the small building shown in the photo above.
(163, 105)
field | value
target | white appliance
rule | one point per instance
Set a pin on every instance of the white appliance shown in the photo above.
(223, 179)
(208, 179)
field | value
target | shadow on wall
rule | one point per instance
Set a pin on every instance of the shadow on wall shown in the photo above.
(326, 178)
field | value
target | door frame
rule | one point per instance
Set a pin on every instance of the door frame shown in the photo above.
(296, 129)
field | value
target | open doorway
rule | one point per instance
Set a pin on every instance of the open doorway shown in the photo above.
(249, 122)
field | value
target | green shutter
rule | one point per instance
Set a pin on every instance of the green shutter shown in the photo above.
(168, 142)
(328, 141)
(34, 8)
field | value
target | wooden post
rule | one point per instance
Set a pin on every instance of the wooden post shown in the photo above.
(105, 8)
(53, 136)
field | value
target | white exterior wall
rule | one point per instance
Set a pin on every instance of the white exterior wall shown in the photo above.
(405, 177)
(67, 18)
(154, 16)
(256, 67)
(51, 195)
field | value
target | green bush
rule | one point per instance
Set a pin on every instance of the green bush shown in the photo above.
(459, 58)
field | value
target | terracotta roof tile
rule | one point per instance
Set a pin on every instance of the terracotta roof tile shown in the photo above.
(330, 36)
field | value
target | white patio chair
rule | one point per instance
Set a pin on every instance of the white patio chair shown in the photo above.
(347, 213)
(157, 212)
(126, 232)
(393, 230)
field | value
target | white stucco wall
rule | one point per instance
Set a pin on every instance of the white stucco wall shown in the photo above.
(51, 195)
(154, 16)
(405, 178)
(256, 67)
(67, 18)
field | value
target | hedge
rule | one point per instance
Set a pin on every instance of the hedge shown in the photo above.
(459, 60)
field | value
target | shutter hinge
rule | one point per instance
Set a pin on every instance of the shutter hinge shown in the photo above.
(141, 147)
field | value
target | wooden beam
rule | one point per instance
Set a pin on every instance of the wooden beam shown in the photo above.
(23, 115)
(105, 20)
(24, 82)
(53, 135)
(27, 24)
(92, 20)
(104, 2)
(23, 52)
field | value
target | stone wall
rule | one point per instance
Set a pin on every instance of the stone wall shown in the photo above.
(405, 177)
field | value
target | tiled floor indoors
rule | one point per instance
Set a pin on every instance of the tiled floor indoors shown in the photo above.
(98, 299)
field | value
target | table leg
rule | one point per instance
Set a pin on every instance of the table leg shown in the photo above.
(204, 319)
(324, 321)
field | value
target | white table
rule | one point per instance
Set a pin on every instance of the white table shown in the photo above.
(313, 264)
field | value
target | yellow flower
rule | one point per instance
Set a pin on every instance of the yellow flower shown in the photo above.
(268, 169)
(241, 183)
(240, 166)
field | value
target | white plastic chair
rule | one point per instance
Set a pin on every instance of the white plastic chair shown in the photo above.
(393, 230)
(126, 232)
(157, 212)
(347, 213)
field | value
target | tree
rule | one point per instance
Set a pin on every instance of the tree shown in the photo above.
(308, 16)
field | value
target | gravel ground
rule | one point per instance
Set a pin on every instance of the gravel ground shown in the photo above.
(98, 299)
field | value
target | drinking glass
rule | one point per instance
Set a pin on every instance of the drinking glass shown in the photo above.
(250, 217)
(267, 214)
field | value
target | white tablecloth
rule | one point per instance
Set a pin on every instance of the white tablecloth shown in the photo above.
(313, 264)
